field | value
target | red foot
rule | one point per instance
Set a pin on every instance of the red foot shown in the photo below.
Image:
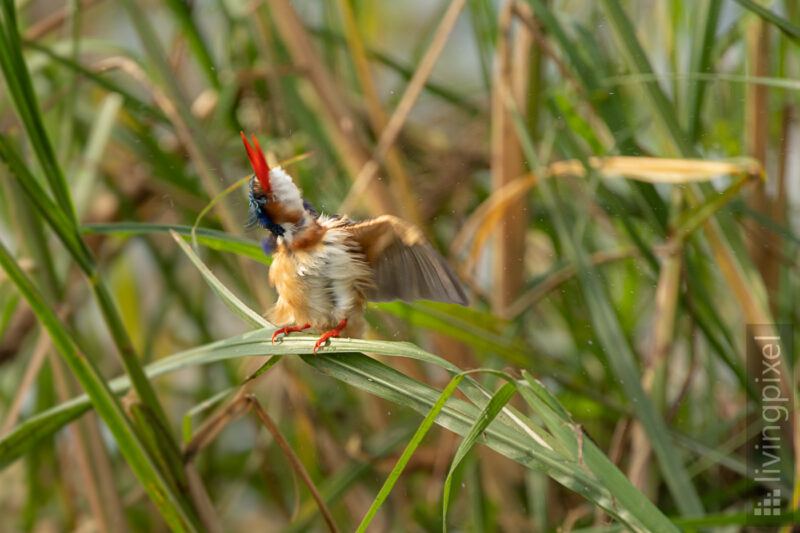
(328, 334)
(287, 329)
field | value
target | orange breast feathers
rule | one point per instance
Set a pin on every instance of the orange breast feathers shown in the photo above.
(321, 284)
(377, 260)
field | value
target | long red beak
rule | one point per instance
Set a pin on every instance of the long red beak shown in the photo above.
(257, 161)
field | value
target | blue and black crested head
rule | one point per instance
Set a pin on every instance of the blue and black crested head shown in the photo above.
(258, 210)
(275, 201)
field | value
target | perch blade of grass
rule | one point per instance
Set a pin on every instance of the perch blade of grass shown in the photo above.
(253, 343)
(371, 376)
(504, 435)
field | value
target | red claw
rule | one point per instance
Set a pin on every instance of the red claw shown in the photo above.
(286, 330)
(328, 334)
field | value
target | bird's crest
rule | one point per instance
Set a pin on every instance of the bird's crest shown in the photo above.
(275, 200)
(258, 162)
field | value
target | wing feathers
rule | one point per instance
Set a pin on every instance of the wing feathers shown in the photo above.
(405, 266)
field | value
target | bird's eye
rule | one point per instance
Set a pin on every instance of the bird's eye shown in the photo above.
(257, 198)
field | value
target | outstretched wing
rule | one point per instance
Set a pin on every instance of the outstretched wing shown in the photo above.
(406, 267)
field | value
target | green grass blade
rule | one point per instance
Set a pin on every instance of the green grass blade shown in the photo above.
(415, 441)
(507, 436)
(198, 44)
(702, 47)
(489, 413)
(372, 376)
(230, 299)
(570, 435)
(465, 329)
(211, 238)
(23, 97)
(49, 210)
(618, 352)
(664, 110)
(67, 231)
(132, 102)
(107, 406)
(790, 30)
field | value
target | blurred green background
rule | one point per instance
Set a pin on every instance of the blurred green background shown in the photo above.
(615, 182)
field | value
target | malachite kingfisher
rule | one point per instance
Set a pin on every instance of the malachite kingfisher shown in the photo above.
(325, 268)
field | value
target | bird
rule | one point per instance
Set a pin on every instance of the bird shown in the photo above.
(325, 268)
